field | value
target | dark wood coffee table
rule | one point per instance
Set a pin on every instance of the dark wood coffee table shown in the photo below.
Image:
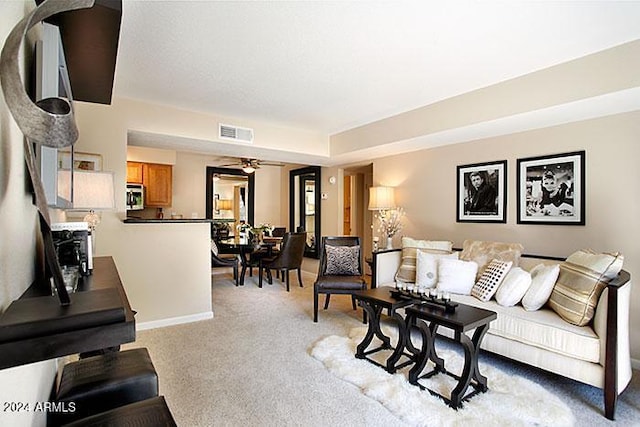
(374, 301)
(465, 318)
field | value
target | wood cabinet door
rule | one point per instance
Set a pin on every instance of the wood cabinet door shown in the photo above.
(158, 185)
(134, 172)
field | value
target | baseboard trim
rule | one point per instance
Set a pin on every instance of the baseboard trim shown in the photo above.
(174, 321)
(635, 364)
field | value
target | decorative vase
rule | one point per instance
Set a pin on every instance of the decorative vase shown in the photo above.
(389, 242)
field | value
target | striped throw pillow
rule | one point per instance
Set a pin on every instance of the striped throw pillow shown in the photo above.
(583, 276)
(407, 271)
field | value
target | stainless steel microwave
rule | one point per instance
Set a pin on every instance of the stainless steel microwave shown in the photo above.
(135, 197)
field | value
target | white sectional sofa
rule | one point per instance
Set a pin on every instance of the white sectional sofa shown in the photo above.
(596, 354)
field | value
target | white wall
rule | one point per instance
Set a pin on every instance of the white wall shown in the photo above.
(18, 242)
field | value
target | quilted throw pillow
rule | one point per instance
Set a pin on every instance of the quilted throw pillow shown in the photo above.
(214, 247)
(407, 271)
(583, 276)
(342, 260)
(483, 252)
(491, 279)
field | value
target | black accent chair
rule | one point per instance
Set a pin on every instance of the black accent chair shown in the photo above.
(337, 284)
(288, 258)
(217, 261)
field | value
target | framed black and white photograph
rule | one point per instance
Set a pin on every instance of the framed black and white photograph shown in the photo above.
(551, 189)
(482, 192)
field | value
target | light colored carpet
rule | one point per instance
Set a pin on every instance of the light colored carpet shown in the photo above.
(251, 366)
(510, 400)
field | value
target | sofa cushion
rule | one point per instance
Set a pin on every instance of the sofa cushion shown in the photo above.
(583, 277)
(342, 260)
(513, 287)
(543, 279)
(483, 252)
(456, 276)
(543, 329)
(427, 267)
(491, 279)
(407, 271)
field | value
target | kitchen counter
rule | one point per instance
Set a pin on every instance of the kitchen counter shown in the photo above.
(163, 221)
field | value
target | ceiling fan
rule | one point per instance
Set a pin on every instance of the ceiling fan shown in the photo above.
(250, 165)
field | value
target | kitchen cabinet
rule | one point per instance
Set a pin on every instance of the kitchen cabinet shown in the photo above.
(134, 172)
(158, 183)
(157, 180)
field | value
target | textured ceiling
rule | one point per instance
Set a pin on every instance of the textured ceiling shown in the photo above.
(332, 65)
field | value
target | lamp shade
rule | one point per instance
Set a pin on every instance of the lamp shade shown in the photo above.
(224, 205)
(91, 190)
(381, 198)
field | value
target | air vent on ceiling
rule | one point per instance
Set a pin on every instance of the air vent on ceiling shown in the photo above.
(235, 133)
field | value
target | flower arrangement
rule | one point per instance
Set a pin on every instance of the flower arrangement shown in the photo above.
(244, 227)
(390, 222)
(264, 228)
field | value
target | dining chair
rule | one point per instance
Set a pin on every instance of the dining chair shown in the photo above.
(220, 261)
(288, 258)
(339, 270)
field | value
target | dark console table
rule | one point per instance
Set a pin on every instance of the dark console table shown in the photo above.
(35, 327)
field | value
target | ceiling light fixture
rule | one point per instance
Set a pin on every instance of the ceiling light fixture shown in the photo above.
(247, 167)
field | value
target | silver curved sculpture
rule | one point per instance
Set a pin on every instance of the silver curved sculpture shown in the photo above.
(49, 122)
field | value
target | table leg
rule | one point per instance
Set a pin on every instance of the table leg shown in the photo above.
(244, 261)
(372, 330)
(404, 342)
(427, 352)
(470, 371)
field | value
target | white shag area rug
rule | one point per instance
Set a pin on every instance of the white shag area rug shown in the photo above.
(510, 400)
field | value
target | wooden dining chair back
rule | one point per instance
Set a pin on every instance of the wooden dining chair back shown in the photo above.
(289, 258)
(339, 270)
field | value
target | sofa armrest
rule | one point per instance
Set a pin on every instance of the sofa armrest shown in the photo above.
(384, 265)
(611, 323)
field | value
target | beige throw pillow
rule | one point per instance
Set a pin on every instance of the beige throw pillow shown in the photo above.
(583, 276)
(427, 267)
(407, 271)
(483, 252)
(513, 287)
(491, 279)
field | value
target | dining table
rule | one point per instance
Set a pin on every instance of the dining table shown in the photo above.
(248, 248)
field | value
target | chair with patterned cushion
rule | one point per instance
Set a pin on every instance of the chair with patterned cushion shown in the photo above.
(339, 270)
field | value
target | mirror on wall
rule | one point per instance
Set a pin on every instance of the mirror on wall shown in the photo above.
(304, 206)
(230, 197)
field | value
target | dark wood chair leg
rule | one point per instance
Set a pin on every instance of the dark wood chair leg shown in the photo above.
(326, 301)
(300, 277)
(235, 272)
(286, 273)
(259, 275)
(353, 301)
(315, 305)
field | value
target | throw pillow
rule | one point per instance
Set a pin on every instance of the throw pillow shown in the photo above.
(214, 247)
(407, 271)
(543, 279)
(583, 277)
(342, 260)
(513, 287)
(483, 252)
(456, 276)
(427, 268)
(491, 279)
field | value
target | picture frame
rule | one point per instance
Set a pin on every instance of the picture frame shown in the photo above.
(482, 192)
(551, 189)
(81, 161)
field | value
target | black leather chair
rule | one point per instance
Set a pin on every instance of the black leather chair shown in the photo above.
(288, 258)
(229, 261)
(339, 283)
